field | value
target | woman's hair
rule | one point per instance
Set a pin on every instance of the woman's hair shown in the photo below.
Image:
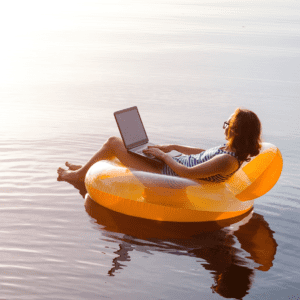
(244, 134)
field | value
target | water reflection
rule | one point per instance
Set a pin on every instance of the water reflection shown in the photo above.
(232, 250)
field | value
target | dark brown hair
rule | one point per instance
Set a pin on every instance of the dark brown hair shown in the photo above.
(244, 134)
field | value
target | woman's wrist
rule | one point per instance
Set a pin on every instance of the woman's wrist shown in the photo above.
(164, 157)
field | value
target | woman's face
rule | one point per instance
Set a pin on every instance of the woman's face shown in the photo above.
(227, 128)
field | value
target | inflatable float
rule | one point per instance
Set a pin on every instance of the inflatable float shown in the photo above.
(175, 199)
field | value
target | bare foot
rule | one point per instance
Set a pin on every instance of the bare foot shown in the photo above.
(69, 175)
(72, 166)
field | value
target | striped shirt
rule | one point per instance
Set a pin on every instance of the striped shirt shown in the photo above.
(196, 159)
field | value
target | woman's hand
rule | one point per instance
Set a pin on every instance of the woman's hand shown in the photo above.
(155, 151)
(163, 148)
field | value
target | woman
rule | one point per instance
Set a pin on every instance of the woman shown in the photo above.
(243, 135)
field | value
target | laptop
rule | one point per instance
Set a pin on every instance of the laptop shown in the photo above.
(134, 135)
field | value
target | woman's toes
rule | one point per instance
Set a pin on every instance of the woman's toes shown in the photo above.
(68, 165)
(60, 171)
(69, 175)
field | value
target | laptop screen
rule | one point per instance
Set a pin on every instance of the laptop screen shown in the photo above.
(131, 127)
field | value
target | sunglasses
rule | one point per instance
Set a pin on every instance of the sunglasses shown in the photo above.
(225, 125)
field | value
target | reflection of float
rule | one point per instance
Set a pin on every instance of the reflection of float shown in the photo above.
(151, 229)
(230, 250)
(165, 198)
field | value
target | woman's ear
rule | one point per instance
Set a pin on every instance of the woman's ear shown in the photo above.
(227, 133)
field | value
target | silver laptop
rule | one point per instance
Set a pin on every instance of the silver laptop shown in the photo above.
(134, 134)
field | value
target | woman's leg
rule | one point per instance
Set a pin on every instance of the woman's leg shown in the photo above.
(113, 147)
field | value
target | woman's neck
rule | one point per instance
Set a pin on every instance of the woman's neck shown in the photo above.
(229, 149)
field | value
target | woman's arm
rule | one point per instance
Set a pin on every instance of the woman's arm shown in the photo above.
(182, 149)
(221, 164)
(187, 150)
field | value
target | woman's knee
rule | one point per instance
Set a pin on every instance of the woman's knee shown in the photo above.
(114, 141)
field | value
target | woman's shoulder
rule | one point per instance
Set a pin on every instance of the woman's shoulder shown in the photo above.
(227, 163)
(229, 158)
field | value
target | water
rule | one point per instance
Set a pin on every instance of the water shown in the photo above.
(66, 67)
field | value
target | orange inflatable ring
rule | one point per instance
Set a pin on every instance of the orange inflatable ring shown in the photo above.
(168, 198)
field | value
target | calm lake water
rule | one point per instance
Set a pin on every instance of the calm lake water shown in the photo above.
(66, 66)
